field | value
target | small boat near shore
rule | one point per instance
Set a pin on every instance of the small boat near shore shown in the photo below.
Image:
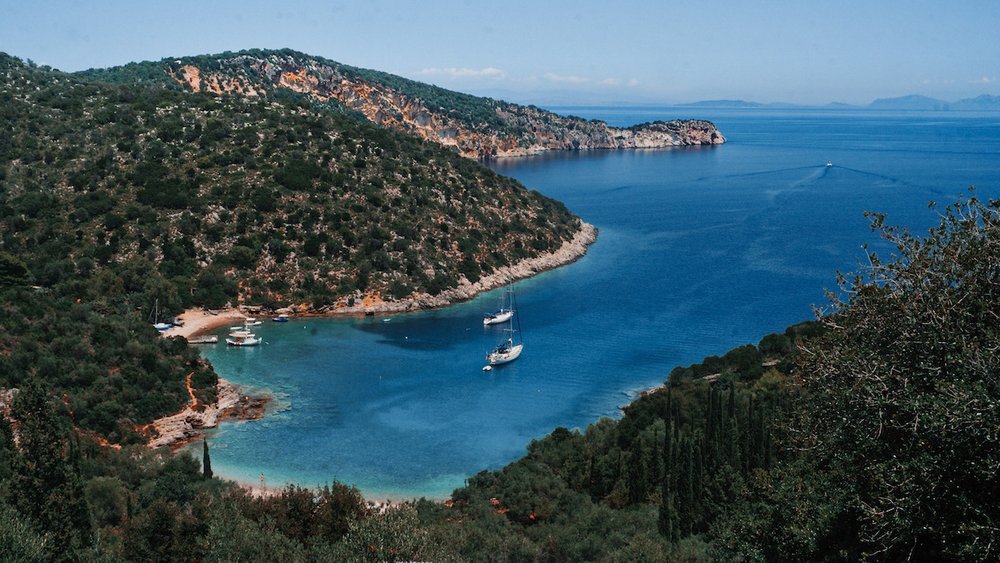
(155, 318)
(203, 340)
(242, 338)
(282, 318)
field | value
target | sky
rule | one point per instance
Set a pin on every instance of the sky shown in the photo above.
(559, 52)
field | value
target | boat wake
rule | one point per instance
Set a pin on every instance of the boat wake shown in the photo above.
(754, 174)
(892, 180)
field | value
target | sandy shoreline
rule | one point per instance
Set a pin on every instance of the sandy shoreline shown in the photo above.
(266, 491)
(200, 321)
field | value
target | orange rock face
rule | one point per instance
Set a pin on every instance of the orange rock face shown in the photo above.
(515, 131)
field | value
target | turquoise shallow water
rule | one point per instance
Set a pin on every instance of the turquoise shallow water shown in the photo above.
(701, 249)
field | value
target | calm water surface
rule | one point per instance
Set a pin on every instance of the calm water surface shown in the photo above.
(700, 250)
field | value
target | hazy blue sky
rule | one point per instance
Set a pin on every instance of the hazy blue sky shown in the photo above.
(559, 52)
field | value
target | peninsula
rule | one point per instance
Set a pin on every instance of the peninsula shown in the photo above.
(474, 126)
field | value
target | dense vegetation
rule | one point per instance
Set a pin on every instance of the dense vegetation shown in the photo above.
(109, 366)
(200, 199)
(870, 434)
(474, 126)
(478, 113)
(873, 433)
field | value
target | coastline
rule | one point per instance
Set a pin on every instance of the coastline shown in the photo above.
(570, 251)
(189, 425)
(379, 503)
(200, 321)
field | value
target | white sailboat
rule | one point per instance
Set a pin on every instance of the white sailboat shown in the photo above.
(511, 348)
(160, 326)
(504, 312)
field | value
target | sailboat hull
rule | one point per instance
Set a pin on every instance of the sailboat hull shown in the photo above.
(498, 317)
(510, 355)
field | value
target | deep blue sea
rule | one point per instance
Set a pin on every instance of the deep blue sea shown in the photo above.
(700, 250)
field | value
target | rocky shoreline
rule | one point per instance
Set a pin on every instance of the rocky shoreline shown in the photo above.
(198, 322)
(570, 251)
(190, 424)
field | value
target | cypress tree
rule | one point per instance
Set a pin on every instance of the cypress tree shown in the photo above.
(668, 437)
(710, 414)
(634, 475)
(45, 485)
(697, 481)
(667, 521)
(685, 487)
(749, 431)
(656, 471)
(731, 407)
(206, 461)
(7, 451)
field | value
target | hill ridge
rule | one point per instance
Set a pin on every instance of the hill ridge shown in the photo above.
(259, 200)
(474, 126)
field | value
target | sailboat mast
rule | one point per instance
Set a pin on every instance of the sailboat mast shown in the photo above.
(513, 307)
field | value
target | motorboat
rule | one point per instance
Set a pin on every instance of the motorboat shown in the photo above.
(242, 338)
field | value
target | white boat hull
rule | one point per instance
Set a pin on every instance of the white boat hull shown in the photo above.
(203, 340)
(242, 338)
(498, 317)
(510, 355)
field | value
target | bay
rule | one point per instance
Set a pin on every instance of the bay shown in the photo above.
(700, 249)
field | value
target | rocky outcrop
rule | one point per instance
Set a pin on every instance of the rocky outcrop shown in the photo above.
(189, 424)
(475, 127)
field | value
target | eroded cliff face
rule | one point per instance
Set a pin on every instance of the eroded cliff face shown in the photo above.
(512, 130)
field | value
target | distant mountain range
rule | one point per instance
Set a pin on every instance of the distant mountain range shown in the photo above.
(985, 102)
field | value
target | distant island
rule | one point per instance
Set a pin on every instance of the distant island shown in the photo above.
(911, 102)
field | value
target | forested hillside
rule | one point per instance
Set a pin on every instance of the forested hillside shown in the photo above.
(870, 434)
(114, 198)
(471, 125)
(873, 433)
(203, 199)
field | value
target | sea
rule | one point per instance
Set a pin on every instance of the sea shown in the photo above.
(701, 249)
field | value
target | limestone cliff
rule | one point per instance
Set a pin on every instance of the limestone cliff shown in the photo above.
(474, 126)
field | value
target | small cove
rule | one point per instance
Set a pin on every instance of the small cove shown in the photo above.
(700, 250)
